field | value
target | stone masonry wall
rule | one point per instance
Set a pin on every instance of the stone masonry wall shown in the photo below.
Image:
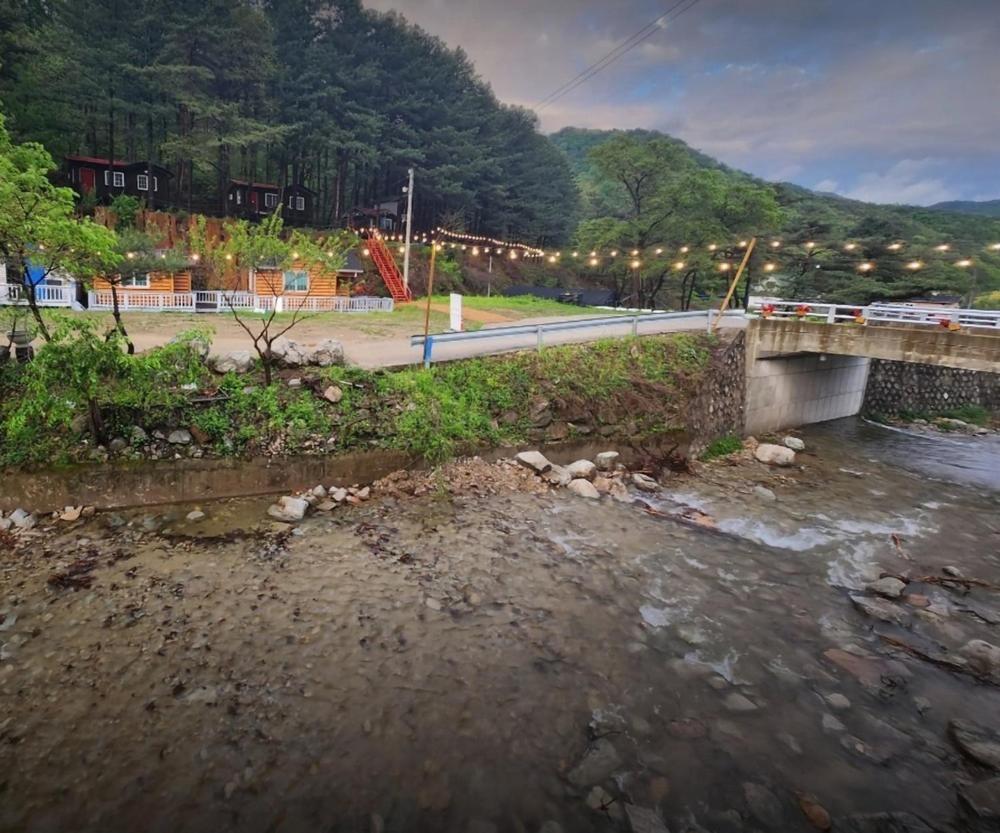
(897, 386)
(718, 410)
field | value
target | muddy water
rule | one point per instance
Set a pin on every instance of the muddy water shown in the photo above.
(444, 663)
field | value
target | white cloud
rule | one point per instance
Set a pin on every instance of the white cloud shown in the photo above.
(830, 185)
(909, 181)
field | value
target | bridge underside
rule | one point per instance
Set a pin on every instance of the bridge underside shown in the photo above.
(801, 372)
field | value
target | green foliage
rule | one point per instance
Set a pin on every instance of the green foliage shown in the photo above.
(84, 379)
(36, 217)
(988, 300)
(125, 208)
(973, 414)
(722, 447)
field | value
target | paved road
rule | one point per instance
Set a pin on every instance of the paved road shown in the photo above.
(373, 352)
(399, 351)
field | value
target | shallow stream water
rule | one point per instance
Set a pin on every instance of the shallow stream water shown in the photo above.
(516, 662)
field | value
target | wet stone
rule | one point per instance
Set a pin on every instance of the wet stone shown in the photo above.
(891, 588)
(736, 702)
(982, 798)
(838, 702)
(599, 761)
(882, 823)
(881, 609)
(977, 742)
(644, 820)
(763, 805)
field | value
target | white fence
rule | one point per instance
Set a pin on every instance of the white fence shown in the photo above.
(45, 296)
(212, 301)
(892, 313)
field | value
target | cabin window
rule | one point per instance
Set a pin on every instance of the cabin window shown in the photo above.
(118, 179)
(300, 203)
(142, 182)
(239, 198)
(156, 183)
(136, 281)
(270, 200)
(296, 281)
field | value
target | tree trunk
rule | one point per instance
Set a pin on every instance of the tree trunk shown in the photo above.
(119, 324)
(29, 289)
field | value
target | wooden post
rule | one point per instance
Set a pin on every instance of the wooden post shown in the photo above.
(430, 291)
(734, 284)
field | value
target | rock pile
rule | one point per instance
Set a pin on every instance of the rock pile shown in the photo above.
(604, 475)
(293, 508)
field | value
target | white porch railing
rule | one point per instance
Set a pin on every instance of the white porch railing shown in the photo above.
(899, 313)
(217, 301)
(45, 296)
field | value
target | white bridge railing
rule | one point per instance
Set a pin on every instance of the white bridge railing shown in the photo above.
(893, 313)
(217, 301)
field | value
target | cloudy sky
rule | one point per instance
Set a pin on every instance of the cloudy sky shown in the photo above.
(882, 100)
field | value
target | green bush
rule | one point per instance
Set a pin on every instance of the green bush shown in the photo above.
(722, 447)
(973, 414)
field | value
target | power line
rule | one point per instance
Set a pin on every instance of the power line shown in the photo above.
(619, 51)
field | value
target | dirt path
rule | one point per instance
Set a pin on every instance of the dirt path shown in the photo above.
(479, 315)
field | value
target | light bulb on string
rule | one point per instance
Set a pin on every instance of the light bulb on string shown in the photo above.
(964, 263)
(913, 265)
(866, 266)
(679, 264)
(769, 267)
(593, 261)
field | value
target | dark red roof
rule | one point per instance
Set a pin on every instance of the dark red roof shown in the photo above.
(95, 160)
(254, 184)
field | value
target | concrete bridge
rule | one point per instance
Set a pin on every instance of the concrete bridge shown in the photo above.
(812, 366)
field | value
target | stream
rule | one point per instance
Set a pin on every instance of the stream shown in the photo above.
(520, 662)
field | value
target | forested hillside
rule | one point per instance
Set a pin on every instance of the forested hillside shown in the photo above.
(316, 92)
(642, 191)
(984, 208)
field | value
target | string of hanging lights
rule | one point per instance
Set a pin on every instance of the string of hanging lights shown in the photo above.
(636, 258)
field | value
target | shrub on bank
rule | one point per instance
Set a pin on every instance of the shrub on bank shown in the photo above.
(83, 398)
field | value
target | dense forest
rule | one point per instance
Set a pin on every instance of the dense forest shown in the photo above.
(642, 189)
(322, 93)
(343, 100)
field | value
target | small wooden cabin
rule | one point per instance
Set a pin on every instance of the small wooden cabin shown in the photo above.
(299, 202)
(304, 280)
(251, 200)
(106, 180)
(152, 282)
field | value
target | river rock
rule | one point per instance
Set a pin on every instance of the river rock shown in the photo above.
(644, 483)
(338, 495)
(195, 515)
(815, 812)
(534, 460)
(607, 460)
(288, 353)
(583, 488)
(763, 805)
(982, 657)
(180, 436)
(736, 702)
(977, 742)
(597, 764)
(295, 383)
(838, 702)
(22, 520)
(333, 394)
(882, 823)
(582, 469)
(881, 609)
(137, 435)
(644, 820)
(71, 513)
(764, 493)
(774, 455)
(327, 353)
(5, 523)
(873, 673)
(117, 445)
(289, 509)
(236, 361)
(558, 476)
(794, 443)
(983, 798)
(891, 588)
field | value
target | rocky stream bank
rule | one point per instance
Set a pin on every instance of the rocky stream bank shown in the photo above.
(799, 644)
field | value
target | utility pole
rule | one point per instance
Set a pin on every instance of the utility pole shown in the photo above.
(409, 226)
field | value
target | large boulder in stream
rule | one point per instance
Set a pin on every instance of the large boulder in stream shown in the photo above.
(774, 455)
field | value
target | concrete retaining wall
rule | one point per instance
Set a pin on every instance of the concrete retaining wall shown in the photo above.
(799, 390)
(901, 386)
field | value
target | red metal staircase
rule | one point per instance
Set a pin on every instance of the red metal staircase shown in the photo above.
(387, 268)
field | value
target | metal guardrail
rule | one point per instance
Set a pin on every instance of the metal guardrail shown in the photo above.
(633, 322)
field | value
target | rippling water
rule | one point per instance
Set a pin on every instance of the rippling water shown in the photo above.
(445, 663)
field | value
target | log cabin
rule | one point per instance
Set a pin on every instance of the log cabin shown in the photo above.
(105, 180)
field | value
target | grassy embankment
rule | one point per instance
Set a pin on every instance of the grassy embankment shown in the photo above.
(82, 393)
